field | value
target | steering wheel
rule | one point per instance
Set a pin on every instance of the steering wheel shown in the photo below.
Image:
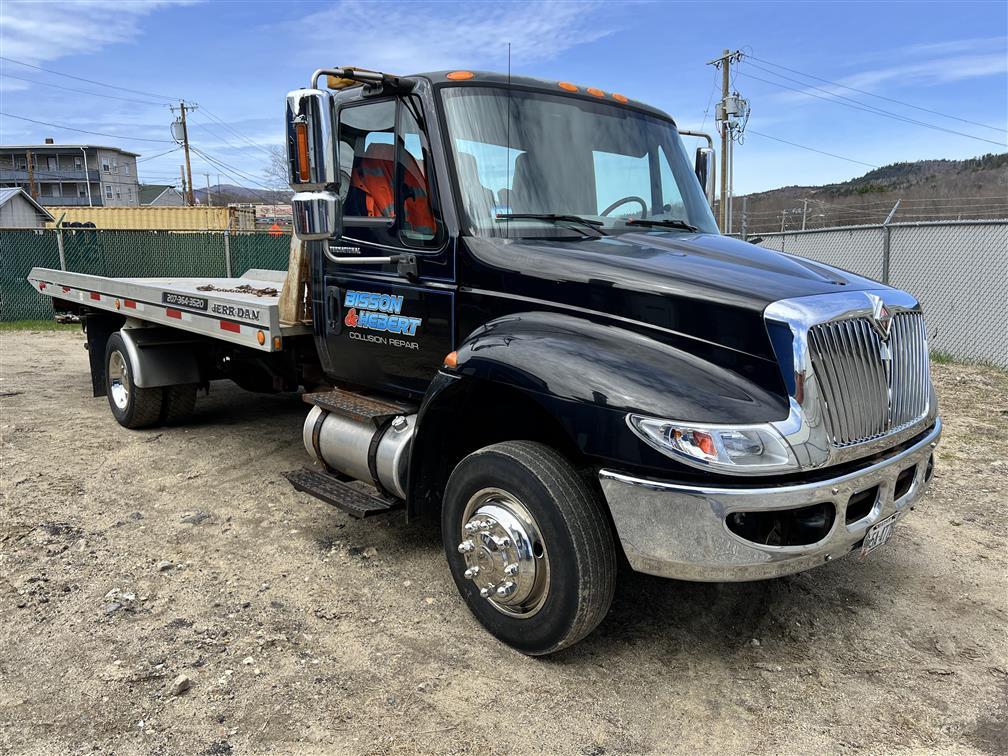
(623, 201)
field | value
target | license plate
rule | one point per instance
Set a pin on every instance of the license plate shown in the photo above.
(878, 535)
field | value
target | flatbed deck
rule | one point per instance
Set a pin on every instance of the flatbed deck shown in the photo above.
(243, 310)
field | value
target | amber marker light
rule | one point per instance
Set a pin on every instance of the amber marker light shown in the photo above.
(276, 343)
(460, 75)
(301, 132)
(595, 92)
(117, 305)
(260, 337)
(451, 360)
(566, 85)
(620, 98)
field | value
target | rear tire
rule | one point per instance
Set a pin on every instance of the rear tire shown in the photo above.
(132, 406)
(178, 404)
(524, 508)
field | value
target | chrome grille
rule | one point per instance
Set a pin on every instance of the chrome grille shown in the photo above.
(869, 386)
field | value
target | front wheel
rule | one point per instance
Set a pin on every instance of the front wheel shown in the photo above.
(529, 546)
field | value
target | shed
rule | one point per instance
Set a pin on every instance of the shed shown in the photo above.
(19, 210)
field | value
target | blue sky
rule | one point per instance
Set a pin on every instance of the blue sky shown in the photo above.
(238, 60)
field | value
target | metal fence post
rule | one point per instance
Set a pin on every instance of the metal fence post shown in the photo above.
(59, 244)
(227, 253)
(885, 242)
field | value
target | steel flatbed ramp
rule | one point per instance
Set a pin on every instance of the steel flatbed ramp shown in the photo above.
(243, 310)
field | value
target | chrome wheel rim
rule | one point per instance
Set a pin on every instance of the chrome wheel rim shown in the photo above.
(504, 552)
(118, 376)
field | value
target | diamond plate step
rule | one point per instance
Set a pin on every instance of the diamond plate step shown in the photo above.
(358, 406)
(333, 491)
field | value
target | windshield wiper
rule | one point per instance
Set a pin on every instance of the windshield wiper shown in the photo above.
(665, 223)
(581, 224)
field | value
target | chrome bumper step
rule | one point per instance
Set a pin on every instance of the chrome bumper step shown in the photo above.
(339, 493)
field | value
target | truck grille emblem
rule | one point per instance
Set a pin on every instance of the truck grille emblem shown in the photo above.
(881, 318)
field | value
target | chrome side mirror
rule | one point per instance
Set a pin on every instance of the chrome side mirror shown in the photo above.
(310, 139)
(705, 171)
(311, 163)
(317, 215)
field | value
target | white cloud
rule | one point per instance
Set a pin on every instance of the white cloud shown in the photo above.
(925, 65)
(36, 32)
(409, 38)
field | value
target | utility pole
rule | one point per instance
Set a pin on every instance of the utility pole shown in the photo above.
(208, 189)
(31, 176)
(804, 213)
(725, 71)
(184, 185)
(190, 197)
(730, 116)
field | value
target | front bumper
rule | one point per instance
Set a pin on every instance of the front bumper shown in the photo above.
(681, 531)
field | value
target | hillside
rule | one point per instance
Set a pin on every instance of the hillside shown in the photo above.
(926, 190)
(222, 194)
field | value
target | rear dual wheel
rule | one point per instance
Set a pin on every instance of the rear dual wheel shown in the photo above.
(529, 546)
(136, 407)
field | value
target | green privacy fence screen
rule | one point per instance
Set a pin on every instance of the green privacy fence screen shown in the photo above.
(126, 254)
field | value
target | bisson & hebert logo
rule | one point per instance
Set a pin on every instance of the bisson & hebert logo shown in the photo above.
(378, 312)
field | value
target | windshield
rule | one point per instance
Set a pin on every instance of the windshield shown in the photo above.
(528, 153)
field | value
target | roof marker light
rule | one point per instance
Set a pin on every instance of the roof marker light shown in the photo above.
(567, 86)
(620, 98)
(595, 92)
(460, 75)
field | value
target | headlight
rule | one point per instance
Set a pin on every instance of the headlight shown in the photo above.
(732, 449)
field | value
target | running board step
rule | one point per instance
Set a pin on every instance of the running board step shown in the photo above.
(358, 407)
(332, 490)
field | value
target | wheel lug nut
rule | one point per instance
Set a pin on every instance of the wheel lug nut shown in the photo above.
(484, 525)
(466, 546)
(485, 592)
(472, 572)
(506, 589)
(471, 527)
(511, 570)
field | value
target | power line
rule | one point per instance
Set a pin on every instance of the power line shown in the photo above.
(160, 154)
(89, 81)
(871, 109)
(84, 131)
(81, 91)
(218, 161)
(236, 133)
(872, 94)
(812, 149)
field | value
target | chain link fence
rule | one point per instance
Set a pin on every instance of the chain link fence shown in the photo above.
(127, 254)
(957, 269)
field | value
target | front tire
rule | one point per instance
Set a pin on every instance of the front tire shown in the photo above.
(529, 546)
(132, 406)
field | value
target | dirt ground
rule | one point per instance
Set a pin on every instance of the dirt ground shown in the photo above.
(129, 558)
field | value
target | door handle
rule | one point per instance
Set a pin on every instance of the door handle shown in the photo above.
(333, 314)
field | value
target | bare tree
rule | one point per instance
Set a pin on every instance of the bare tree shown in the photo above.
(276, 170)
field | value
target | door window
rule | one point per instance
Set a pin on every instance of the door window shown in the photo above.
(384, 176)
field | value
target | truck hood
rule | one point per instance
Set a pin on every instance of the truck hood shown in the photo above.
(704, 286)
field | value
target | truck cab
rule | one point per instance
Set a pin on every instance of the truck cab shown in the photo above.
(581, 366)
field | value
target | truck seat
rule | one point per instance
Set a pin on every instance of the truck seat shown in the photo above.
(374, 176)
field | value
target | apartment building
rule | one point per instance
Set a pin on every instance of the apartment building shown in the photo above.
(72, 174)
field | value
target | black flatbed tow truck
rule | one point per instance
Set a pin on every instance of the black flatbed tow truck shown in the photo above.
(525, 321)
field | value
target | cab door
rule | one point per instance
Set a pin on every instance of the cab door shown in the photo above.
(386, 326)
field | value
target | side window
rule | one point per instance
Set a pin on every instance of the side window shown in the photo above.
(385, 176)
(419, 222)
(367, 161)
(672, 200)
